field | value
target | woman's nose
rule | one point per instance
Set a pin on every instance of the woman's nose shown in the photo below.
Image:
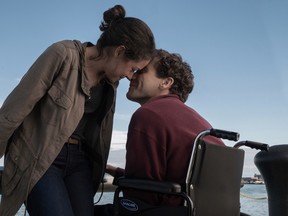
(132, 76)
(129, 77)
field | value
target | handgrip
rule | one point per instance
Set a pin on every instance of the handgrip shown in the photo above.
(223, 134)
(252, 144)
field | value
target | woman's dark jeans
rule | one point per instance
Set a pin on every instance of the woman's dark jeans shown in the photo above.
(66, 189)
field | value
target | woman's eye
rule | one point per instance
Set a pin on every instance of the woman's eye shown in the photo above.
(135, 70)
(144, 70)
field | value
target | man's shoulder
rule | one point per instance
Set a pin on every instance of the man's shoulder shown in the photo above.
(150, 112)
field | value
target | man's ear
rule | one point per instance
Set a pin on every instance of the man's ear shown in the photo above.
(120, 50)
(167, 83)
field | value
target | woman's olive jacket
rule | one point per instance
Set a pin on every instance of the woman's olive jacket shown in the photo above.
(41, 113)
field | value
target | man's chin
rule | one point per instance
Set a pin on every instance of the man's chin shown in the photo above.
(131, 98)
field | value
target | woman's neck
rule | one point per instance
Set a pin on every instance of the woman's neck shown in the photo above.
(94, 70)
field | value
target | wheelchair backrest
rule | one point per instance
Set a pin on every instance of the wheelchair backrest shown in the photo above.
(215, 179)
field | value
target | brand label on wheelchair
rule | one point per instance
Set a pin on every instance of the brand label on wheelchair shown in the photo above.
(129, 205)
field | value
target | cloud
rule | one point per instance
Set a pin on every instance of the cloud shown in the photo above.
(118, 141)
(125, 117)
(250, 168)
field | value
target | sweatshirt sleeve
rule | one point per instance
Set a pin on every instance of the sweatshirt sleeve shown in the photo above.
(32, 87)
(146, 146)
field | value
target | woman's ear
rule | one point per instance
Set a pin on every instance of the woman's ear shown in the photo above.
(120, 50)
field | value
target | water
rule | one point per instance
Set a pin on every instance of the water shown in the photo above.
(254, 207)
(249, 206)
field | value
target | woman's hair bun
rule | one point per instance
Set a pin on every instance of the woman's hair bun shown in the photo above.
(112, 14)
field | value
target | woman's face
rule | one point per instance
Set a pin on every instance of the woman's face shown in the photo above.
(118, 66)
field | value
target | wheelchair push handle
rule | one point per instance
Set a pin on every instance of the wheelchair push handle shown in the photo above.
(252, 144)
(257, 145)
(223, 134)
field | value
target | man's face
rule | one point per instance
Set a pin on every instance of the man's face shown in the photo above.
(144, 85)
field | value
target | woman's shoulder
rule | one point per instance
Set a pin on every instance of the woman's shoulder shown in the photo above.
(68, 44)
(66, 48)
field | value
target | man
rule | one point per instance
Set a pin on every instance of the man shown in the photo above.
(162, 131)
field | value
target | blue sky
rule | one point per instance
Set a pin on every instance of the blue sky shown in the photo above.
(238, 51)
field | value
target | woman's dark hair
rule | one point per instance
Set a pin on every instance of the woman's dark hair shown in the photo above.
(171, 65)
(130, 32)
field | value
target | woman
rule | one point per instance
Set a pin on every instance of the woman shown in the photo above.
(56, 124)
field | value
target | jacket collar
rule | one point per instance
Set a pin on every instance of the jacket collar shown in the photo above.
(84, 81)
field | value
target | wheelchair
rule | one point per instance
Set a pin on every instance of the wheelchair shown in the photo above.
(212, 186)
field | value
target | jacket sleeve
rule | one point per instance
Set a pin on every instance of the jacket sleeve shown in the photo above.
(32, 87)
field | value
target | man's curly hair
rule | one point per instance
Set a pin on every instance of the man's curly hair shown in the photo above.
(171, 65)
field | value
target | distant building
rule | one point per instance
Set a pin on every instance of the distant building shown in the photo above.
(257, 179)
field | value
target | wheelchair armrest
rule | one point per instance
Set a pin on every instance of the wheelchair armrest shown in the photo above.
(149, 185)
